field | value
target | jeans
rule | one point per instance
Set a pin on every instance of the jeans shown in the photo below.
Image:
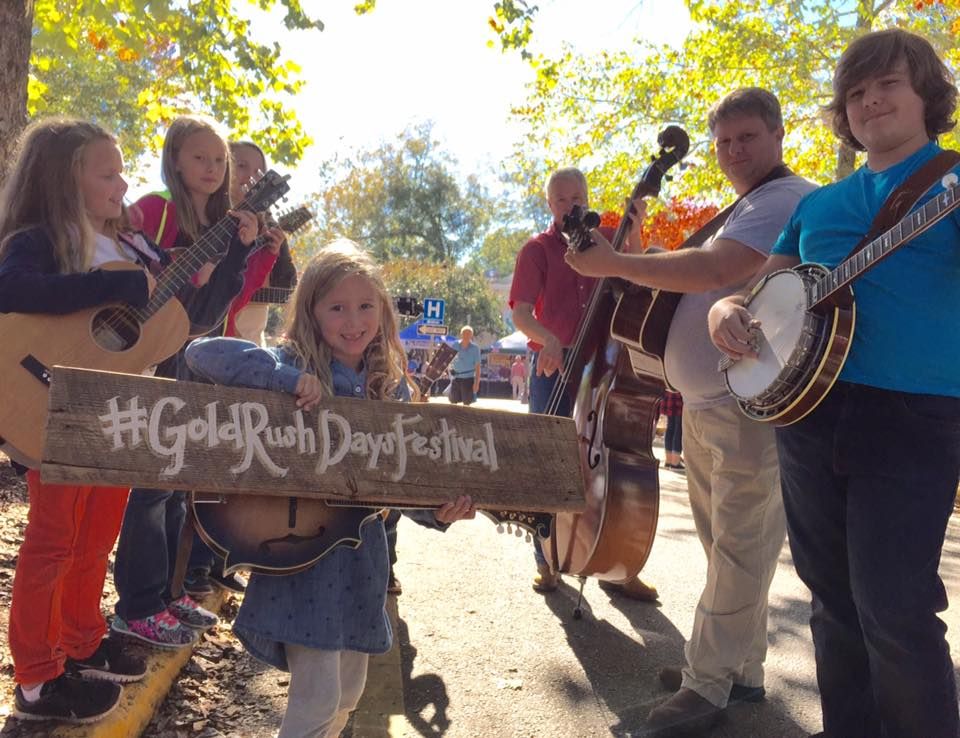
(673, 437)
(868, 483)
(147, 551)
(540, 389)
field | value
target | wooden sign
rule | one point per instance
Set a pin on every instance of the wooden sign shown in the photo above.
(120, 429)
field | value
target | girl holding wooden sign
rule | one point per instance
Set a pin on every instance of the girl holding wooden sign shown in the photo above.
(322, 623)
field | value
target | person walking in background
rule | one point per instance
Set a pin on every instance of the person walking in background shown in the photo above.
(465, 369)
(518, 379)
(672, 409)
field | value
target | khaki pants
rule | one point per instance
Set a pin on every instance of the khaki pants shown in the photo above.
(325, 686)
(734, 486)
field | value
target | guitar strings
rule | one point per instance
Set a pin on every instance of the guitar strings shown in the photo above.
(180, 270)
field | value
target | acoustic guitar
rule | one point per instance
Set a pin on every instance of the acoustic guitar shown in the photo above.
(290, 223)
(116, 338)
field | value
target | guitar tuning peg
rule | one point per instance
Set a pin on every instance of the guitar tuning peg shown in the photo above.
(509, 529)
(518, 532)
(529, 537)
(500, 528)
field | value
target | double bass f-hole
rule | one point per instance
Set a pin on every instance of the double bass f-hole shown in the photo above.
(593, 456)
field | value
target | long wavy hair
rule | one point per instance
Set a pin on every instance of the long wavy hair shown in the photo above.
(188, 219)
(384, 358)
(43, 190)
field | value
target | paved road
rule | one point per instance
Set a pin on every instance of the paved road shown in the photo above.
(483, 655)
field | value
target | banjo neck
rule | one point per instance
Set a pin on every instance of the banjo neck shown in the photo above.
(824, 290)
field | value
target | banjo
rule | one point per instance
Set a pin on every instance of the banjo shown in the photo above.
(806, 318)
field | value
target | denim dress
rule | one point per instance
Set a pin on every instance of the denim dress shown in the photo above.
(338, 603)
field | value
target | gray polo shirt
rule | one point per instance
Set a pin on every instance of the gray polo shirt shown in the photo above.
(691, 358)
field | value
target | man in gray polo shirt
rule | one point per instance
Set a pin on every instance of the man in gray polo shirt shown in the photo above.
(465, 369)
(732, 473)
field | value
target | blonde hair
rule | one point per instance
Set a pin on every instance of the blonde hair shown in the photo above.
(384, 357)
(188, 219)
(43, 190)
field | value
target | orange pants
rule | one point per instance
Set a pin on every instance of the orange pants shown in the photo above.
(55, 612)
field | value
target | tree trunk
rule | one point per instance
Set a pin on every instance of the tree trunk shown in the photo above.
(16, 20)
(846, 160)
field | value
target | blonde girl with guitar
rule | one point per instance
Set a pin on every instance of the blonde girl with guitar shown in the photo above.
(322, 623)
(195, 169)
(61, 216)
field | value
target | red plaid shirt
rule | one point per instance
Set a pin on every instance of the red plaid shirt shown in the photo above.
(671, 404)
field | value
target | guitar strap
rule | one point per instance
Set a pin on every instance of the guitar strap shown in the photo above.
(700, 236)
(902, 200)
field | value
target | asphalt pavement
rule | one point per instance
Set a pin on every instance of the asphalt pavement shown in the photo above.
(482, 654)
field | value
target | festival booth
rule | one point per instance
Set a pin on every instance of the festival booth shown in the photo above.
(498, 361)
(515, 343)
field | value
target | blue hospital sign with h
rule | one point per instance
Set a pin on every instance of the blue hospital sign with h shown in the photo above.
(433, 310)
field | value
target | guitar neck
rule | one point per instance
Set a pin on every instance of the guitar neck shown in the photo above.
(436, 367)
(272, 295)
(206, 248)
(881, 247)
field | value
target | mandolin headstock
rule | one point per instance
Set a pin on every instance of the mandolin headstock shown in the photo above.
(512, 521)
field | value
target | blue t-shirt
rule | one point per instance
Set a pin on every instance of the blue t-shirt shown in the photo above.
(466, 361)
(907, 336)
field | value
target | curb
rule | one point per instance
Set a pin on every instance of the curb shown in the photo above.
(381, 712)
(140, 700)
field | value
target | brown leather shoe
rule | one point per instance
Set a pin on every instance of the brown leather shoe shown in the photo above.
(671, 677)
(393, 585)
(545, 579)
(686, 713)
(633, 588)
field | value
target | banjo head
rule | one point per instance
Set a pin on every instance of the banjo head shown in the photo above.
(780, 305)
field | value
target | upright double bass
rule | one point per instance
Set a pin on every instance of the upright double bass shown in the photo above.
(614, 411)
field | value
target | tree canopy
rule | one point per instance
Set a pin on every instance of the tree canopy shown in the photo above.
(603, 111)
(402, 199)
(136, 64)
(469, 299)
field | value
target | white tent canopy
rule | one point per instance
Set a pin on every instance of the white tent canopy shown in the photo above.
(516, 342)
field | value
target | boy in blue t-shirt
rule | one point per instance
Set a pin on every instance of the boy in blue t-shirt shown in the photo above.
(870, 475)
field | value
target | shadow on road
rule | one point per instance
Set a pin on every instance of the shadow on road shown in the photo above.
(422, 692)
(622, 668)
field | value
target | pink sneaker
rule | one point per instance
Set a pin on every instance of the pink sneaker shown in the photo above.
(162, 630)
(187, 611)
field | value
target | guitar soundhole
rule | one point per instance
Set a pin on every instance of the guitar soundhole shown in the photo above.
(115, 329)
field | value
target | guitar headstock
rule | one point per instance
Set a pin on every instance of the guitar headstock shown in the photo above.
(265, 192)
(577, 225)
(293, 220)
